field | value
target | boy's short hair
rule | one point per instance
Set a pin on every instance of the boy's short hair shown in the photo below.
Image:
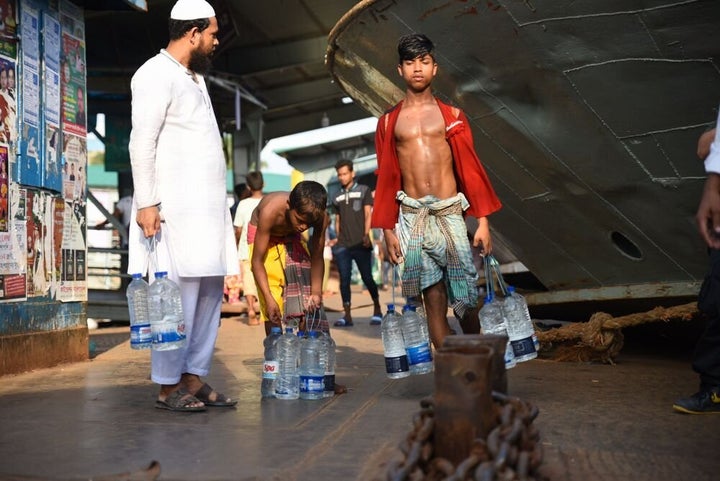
(414, 45)
(255, 180)
(309, 199)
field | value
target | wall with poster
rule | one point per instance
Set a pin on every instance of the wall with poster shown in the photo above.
(43, 165)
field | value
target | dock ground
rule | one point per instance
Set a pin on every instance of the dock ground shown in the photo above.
(97, 418)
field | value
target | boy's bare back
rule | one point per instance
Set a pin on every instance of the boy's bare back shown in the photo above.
(423, 152)
(271, 214)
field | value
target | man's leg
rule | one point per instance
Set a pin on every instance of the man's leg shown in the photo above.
(363, 259)
(436, 306)
(706, 360)
(343, 260)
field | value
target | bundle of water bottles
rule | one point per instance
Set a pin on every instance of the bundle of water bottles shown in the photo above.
(507, 315)
(156, 316)
(299, 364)
(406, 341)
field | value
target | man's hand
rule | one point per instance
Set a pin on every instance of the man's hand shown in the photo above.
(366, 241)
(148, 218)
(704, 142)
(393, 246)
(482, 237)
(708, 214)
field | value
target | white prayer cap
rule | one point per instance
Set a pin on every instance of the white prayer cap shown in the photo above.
(191, 10)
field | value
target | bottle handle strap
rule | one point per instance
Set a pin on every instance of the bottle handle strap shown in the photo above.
(492, 270)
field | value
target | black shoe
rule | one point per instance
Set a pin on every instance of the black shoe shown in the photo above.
(703, 402)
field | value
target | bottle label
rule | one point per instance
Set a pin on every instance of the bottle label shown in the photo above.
(168, 332)
(329, 383)
(396, 364)
(312, 384)
(140, 334)
(523, 347)
(419, 354)
(270, 369)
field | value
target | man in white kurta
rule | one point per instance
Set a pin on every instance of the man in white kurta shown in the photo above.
(179, 174)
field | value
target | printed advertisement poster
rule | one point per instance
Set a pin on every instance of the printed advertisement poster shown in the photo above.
(28, 167)
(74, 175)
(72, 70)
(39, 226)
(73, 281)
(52, 172)
(4, 190)
(8, 28)
(72, 19)
(8, 101)
(73, 253)
(13, 281)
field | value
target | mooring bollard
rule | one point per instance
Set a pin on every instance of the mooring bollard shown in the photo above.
(497, 342)
(464, 408)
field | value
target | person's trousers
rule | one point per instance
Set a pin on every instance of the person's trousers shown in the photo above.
(201, 301)
(706, 361)
(363, 259)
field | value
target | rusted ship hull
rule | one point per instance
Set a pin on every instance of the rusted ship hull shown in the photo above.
(586, 115)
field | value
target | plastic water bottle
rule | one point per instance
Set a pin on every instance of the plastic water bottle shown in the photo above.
(396, 360)
(329, 380)
(312, 371)
(166, 316)
(287, 385)
(137, 296)
(270, 364)
(492, 321)
(420, 310)
(519, 326)
(417, 344)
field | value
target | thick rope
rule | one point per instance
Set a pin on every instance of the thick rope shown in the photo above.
(601, 338)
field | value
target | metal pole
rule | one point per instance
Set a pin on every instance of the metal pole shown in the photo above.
(464, 408)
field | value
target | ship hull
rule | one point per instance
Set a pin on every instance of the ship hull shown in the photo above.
(585, 114)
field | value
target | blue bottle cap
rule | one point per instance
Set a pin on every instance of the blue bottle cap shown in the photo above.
(276, 330)
(137, 275)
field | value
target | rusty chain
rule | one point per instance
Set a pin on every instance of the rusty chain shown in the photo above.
(511, 451)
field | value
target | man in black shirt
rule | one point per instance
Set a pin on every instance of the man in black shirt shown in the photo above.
(352, 206)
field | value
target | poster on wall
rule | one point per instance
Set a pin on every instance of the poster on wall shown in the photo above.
(29, 168)
(73, 265)
(8, 28)
(72, 68)
(52, 172)
(4, 190)
(8, 101)
(39, 225)
(13, 281)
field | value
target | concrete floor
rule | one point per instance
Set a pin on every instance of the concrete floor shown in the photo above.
(84, 420)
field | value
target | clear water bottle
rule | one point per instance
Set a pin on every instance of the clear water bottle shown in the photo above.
(396, 360)
(492, 321)
(312, 370)
(270, 364)
(166, 316)
(287, 384)
(519, 326)
(417, 344)
(420, 310)
(137, 296)
(330, 357)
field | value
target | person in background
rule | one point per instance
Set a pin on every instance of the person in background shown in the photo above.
(706, 360)
(245, 208)
(429, 177)
(240, 192)
(353, 207)
(175, 142)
